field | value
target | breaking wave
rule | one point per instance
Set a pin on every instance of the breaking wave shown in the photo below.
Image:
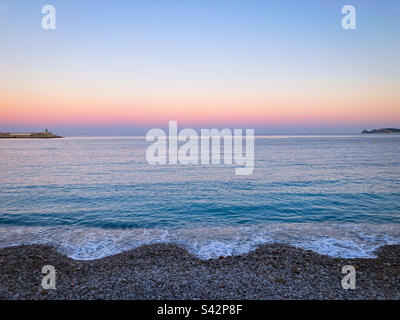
(333, 239)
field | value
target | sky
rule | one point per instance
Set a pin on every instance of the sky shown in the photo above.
(123, 67)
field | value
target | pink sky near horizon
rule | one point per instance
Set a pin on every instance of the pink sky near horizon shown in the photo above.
(67, 108)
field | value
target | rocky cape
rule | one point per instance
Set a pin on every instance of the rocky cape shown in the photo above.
(383, 130)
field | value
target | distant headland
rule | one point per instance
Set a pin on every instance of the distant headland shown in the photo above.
(383, 130)
(28, 135)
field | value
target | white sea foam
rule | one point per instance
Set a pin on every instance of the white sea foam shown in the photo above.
(337, 240)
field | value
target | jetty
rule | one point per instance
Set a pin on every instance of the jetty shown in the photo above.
(28, 135)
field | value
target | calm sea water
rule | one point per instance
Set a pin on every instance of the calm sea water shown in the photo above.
(95, 196)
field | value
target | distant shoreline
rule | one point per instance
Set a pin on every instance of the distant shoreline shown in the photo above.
(49, 135)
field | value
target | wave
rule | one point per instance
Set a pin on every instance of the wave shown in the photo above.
(333, 239)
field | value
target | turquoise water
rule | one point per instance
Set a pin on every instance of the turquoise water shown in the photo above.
(95, 196)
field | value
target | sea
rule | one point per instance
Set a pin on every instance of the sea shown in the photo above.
(92, 197)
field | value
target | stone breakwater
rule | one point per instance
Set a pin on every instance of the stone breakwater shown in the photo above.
(28, 135)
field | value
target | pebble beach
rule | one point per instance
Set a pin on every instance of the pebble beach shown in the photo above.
(167, 271)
